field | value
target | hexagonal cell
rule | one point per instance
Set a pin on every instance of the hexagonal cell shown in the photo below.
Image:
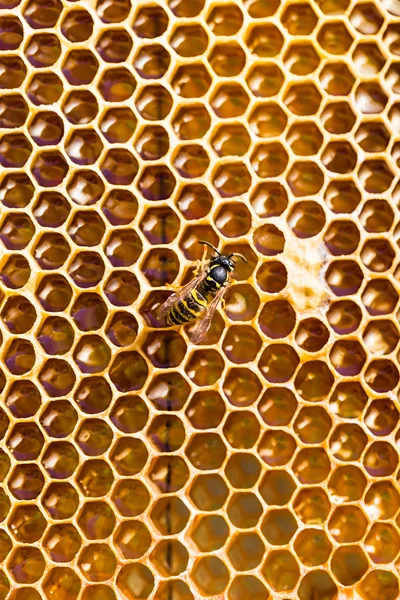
(299, 19)
(206, 451)
(381, 337)
(191, 81)
(132, 539)
(344, 277)
(241, 429)
(15, 272)
(242, 470)
(368, 59)
(229, 100)
(347, 483)
(272, 277)
(12, 33)
(390, 35)
(25, 441)
(170, 515)
(302, 99)
(339, 157)
(63, 577)
(60, 460)
(129, 456)
(23, 399)
(97, 562)
(205, 410)
(382, 500)
(239, 337)
(26, 565)
(379, 582)
(210, 575)
(131, 499)
(381, 417)
(379, 297)
(13, 111)
(117, 84)
(227, 59)
(312, 505)
(43, 50)
(348, 524)
(304, 139)
(264, 41)
(281, 570)
(265, 80)
(46, 128)
(347, 357)
(16, 190)
(366, 18)
(77, 26)
(301, 59)
(311, 465)
(342, 237)
(348, 400)
(144, 24)
(95, 478)
(225, 19)
(269, 159)
(208, 492)
(347, 442)
(40, 15)
(278, 526)
(62, 542)
(244, 510)
(231, 180)
(114, 45)
(317, 583)
(167, 433)
(370, 98)
(96, 520)
(278, 363)
(27, 523)
(18, 314)
(94, 437)
(245, 551)
(312, 547)
(170, 557)
(312, 424)
(338, 118)
(151, 61)
(268, 120)
(380, 460)
(16, 231)
(59, 418)
(169, 474)
(60, 500)
(344, 316)
(277, 406)
(277, 487)
(377, 255)
(276, 448)
(209, 532)
(25, 483)
(349, 564)
(306, 178)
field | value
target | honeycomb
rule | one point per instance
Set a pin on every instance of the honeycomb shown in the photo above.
(262, 463)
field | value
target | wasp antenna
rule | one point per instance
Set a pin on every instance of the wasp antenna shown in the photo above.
(244, 259)
(210, 245)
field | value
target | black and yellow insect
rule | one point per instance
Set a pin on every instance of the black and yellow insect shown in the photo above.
(199, 298)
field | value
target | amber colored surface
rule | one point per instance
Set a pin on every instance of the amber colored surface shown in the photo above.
(264, 462)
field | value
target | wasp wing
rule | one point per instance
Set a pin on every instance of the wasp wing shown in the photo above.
(205, 321)
(174, 298)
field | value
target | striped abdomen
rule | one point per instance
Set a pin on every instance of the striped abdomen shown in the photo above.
(187, 309)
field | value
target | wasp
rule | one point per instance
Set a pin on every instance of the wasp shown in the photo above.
(200, 297)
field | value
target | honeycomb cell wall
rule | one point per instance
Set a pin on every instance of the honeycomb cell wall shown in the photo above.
(262, 463)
